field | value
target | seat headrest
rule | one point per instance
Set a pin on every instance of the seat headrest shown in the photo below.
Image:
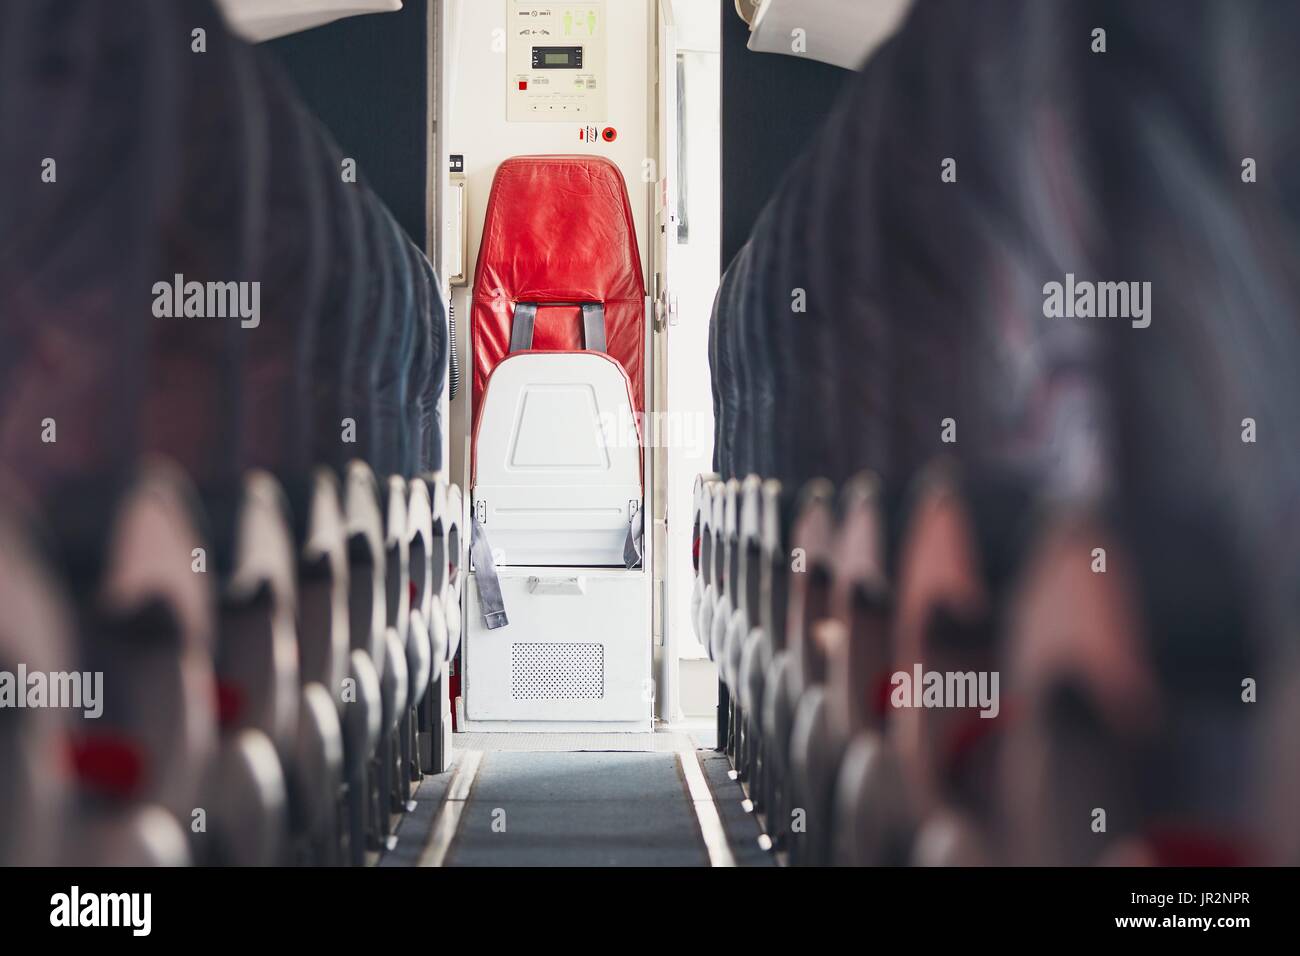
(559, 229)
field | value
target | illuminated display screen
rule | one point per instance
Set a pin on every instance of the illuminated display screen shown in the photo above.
(557, 58)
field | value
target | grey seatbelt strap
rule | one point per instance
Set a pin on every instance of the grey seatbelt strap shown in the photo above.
(593, 326)
(485, 574)
(525, 322)
(521, 329)
(632, 545)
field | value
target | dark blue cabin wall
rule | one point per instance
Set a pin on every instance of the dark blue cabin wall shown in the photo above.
(771, 107)
(366, 78)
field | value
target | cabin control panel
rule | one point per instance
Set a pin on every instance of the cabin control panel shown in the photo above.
(555, 61)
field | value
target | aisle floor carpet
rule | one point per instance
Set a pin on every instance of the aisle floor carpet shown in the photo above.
(578, 809)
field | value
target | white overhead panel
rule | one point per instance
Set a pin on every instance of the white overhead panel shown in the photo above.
(842, 32)
(258, 20)
(556, 62)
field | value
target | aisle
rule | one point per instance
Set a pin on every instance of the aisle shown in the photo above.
(640, 807)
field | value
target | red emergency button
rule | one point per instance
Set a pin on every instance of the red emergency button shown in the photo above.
(523, 84)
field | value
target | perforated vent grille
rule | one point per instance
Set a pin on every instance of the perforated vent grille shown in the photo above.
(557, 671)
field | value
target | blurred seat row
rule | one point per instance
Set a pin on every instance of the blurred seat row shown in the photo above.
(226, 551)
(989, 579)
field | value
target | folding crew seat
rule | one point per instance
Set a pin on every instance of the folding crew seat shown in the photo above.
(547, 486)
(563, 257)
(557, 460)
(567, 461)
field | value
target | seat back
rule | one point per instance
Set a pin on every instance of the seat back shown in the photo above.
(147, 623)
(429, 374)
(214, 229)
(293, 274)
(78, 256)
(36, 632)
